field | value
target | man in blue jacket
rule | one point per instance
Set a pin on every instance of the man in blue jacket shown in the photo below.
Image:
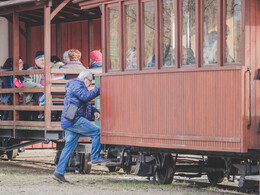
(77, 93)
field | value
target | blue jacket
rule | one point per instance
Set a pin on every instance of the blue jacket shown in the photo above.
(78, 94)
(96, 65)
(8, 83)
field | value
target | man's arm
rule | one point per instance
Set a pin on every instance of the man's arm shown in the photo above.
(94, 110)
(83, 94)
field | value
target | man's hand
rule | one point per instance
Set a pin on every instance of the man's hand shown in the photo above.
(97, 115)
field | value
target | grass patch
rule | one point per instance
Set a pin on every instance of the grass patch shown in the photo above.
(13, 172)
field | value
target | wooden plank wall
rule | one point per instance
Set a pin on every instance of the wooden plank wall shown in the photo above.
(252, 59)
(73, 35)
(188, 110)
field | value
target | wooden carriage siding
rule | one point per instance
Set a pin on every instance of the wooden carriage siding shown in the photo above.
(191, 87)
(200, 107)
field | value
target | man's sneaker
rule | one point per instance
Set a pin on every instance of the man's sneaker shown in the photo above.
(100, 161)
(60, 178)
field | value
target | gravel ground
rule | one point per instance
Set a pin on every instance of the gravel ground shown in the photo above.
(30, 173)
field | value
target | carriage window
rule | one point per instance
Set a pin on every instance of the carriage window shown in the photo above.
(188, 32)
(148, 21)
(233, 31)
(168, 32)
(113, 48)
(130, 36)
(210, 41)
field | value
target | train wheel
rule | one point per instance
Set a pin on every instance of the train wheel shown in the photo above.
(126, 161)
(215, 177)
(164, 174)
(12, 154)
(110, 155)
(113, 169)
(87, 167)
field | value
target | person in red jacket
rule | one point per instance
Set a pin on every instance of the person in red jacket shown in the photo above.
(18, 82)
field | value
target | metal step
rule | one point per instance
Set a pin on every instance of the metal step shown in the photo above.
(107, 164)
(252, 177)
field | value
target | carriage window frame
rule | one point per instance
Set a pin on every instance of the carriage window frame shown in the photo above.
(219, 36)
(196, 53)
(131, 2)
(178, 36)
(107, 36)
(242, 44)
(176, 52)
(141, 52)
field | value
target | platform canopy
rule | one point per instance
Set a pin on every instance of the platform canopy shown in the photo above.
(31, 11)
(5, 3)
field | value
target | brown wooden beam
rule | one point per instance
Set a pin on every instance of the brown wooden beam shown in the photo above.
(103, 36)
(91, 34)
(28, 18)
(91, 4)
(58, 41)
(62, 5)
(28, 90)
(30, 108)
(21, 90)
(77, 1)
(27, 72)
(66, 71)
(30, 123)
(28, 45)
(33, 14)
(58, 89)
(8, 123)
(57, 108)
(6, 107)
(70, 13)
(78, 10)
(30, 7)
(16, 53)
(55, 124)
(16, 40)
(47, 55)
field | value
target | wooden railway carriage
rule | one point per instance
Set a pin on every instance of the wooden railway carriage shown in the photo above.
(179, 77)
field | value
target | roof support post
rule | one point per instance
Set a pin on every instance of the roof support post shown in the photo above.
(16, 46)
(103, 35)
(47, 57)
(16, 41)
(62, 5)
(28, 45)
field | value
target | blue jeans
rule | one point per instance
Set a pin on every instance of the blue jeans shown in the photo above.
(72, 134)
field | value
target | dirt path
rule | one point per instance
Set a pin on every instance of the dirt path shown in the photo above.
(31, 173)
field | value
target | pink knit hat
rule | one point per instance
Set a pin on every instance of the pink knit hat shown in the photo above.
(96, 56)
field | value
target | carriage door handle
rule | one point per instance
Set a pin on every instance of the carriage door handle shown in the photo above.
(250, 117)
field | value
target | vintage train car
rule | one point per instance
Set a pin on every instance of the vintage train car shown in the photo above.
(179, 77)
